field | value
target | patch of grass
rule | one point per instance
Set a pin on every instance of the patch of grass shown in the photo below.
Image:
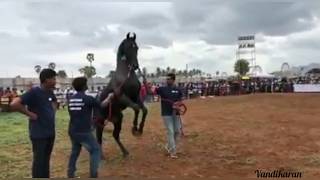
(16, 152)
(313, 160)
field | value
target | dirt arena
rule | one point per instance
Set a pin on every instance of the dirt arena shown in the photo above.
(224, 137)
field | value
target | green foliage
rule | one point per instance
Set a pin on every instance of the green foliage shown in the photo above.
(242, 67)
(88, 71)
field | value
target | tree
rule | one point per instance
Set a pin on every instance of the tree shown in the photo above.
(144, 71)
(185, 73)
(62, 74)
(241, 67)
(111, 73)
(163, 72)
(168, 70)
(174, 71)
(158, 72)
(37, 68)
(52, 65)
(88, 71)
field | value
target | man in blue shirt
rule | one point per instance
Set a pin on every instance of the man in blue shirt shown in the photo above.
(39, 104)
(80, 108)
(170, 94)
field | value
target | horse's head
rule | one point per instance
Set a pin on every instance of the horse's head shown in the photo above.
(128, 51)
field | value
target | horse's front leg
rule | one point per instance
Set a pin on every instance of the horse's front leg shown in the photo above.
(125, 100)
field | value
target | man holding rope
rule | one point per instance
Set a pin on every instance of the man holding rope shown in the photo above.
(170, 96)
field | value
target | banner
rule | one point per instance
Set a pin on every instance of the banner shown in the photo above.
(247, 45)
(245, 38)
(306, 87)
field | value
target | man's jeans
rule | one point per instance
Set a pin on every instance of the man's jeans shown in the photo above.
(90, 143)
(41, 149)
(173, 126)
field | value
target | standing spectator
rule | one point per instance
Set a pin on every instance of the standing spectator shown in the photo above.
(143, 91)
(40, 104)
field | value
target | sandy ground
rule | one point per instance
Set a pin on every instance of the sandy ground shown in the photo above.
(224, 137)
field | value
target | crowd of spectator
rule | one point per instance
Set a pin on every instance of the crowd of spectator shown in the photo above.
(190, 89)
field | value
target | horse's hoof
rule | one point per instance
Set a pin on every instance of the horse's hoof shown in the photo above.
(136, 107)
(140, 132)
(125, 154)
(103, 157)
(134, 131)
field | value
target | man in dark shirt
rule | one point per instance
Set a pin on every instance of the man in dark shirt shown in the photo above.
(39, 104)
(80, 108)
(169, 95)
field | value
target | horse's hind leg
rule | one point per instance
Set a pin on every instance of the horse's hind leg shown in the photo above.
(116, 134)
(144, 116)
(135, 123)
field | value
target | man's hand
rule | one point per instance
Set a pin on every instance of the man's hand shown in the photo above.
(16, 105)
(32, 116)
(106, 101)
(110, 95)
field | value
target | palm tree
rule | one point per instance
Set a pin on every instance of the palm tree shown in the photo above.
(52, 65)
(185, 73)
(173, 70)
(163, 72)
(144, 71)
(88, 71)
(168, 70)
(62, 74)
(37, 68)
(158, 71)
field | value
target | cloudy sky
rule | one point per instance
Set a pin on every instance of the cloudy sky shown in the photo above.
(200, 33)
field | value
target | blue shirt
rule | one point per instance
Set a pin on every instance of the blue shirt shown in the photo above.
(80, 108)
(169, 95)
(39, 101)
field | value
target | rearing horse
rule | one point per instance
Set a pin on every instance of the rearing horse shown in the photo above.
(126, 87)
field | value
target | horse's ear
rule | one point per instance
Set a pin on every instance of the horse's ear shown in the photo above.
(134, 36)
(128, 35)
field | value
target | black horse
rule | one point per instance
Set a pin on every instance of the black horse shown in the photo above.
(126, 87)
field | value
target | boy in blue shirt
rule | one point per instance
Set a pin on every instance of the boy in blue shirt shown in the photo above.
(40, 104)
(80, 108)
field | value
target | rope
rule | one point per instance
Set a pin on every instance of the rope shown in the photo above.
(178, 105)
(182, 109)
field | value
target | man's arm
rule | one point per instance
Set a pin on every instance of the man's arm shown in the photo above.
(106, 101)
(16, 105)
(54, 102)
(158, 91)
(55, 106)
